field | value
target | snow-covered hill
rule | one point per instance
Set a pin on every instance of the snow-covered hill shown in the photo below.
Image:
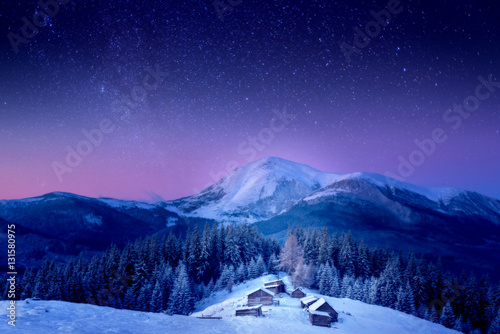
(354, 318)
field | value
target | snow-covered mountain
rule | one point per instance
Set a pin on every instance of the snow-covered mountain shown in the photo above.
(255, 192)
(354, 318)
(271, 186)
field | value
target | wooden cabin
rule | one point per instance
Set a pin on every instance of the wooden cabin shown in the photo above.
(308, 300)
(318, 318)
(260, 296)
(255, 311)
(275, 286)
(322, 306)
(297, 293)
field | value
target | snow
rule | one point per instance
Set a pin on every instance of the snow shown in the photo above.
(116, 203)
(172, 221)
(91, 220)
(271, 186)
(288, 317)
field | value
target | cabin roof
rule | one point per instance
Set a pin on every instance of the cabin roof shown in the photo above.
(277, 282)
(319, 313)
(318, 304)
(263, 289)
(243, 308)
(307, 299)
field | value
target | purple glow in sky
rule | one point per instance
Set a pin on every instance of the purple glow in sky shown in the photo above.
(198, 96)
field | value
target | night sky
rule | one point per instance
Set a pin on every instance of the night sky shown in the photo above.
(181, 93)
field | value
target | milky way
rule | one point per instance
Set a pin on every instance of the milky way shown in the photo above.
(158, 99)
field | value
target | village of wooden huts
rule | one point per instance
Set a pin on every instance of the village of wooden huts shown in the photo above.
(255, 311)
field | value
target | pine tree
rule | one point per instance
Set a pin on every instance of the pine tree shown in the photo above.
(325, 280)
(273, 264)
(347, 286)
(181, 300)
(252, 269)
(375, 294)
(232, 253)
(357, 290)
(458, 324)
(157, 299)
(405, 302)
(364, 265)
(260, 266)
(241, 274)
(346, 255)
(324, 250)
(447, 319)
(335, 288)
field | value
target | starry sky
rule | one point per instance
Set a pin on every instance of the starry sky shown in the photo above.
(175, 94)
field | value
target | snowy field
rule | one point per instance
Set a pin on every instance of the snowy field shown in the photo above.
(42, 317)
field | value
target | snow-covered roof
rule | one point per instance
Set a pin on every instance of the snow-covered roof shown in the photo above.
(317, 304)
(248, 307)
(277, 282)
(319, 313)
(307, 299)
(263, 289)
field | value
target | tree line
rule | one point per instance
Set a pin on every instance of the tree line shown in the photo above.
(170, 274)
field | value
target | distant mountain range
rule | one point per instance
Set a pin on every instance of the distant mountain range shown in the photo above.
(461, 226)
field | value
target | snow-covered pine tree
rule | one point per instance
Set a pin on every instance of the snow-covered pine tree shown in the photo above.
(335, 288)
(252, 269)
(157, 299)
(325, 280)
(232, 253)
(324, 250)
(241, 274)
(363, 263)
(181, 300)
(346, 255)
(405, 302)
(261, 266)
(272, 264)
(357, 290)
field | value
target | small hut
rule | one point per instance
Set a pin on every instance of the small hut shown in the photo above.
(275, 286)
(318, 318)
(255, 311)
(260, 296)
(308, 300)
(322, 306)
(297, 293)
